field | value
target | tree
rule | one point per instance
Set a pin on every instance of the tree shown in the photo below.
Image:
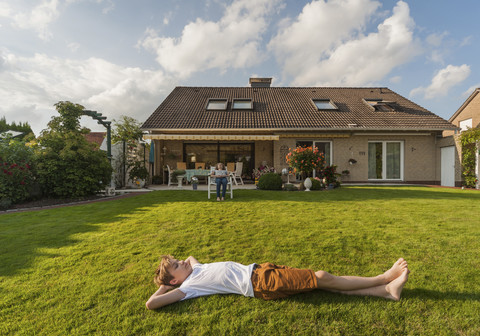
(127, 131)
(304, 160)
(67, 164)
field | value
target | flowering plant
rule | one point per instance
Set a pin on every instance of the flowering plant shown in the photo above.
(262, 170)
(330, 175)
(305, 159)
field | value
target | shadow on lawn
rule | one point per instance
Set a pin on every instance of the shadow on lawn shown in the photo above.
(324, 297)
(25, 236)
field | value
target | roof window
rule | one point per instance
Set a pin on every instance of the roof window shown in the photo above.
(242, 104)
(324, 104)
(217, 104)
(381, 105)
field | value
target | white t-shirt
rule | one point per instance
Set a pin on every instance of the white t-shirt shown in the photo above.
(218, 278)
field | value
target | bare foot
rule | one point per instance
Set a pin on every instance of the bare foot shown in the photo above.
(396, 270)
(394, 288)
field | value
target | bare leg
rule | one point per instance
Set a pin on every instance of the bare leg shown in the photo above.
(392, 290)
(347, 283)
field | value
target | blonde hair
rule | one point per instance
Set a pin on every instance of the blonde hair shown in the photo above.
(162, 275)
(218, 164)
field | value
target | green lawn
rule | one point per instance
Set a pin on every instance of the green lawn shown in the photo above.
(88, 269)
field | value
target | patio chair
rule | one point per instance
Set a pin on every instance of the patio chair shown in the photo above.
(230, 167)
(201, 165)
(181, 165)
(238, 173)
(212, 186)
(170, 172)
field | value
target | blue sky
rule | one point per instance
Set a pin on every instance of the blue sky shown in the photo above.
(124, 57)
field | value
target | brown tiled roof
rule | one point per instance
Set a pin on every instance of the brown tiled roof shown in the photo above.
(290, 108)
(95, 137)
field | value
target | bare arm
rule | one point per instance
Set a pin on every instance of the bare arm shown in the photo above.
(165, 295)
(192, 261)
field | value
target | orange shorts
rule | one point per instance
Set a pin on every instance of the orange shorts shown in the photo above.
(275, 281)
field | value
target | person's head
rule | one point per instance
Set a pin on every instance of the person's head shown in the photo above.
(220, 166)
(172, 272)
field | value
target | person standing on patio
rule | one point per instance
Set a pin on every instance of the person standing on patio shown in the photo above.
(220, 174)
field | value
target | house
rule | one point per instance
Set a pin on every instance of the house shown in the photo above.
(375, 133)
(467, 116)
(96, 137)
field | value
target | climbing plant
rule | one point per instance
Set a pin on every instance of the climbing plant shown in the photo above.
(469, 139)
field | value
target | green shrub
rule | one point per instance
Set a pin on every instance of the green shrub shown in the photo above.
(270, 181)
(316, 184)
(16, 174)
(67, 164)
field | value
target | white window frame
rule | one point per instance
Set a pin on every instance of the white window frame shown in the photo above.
(329, 104)
(223, 101)
(384, 160)
(242, 100)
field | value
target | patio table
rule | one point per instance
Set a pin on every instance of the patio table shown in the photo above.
(189, 173)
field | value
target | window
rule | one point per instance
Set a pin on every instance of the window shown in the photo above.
(466, 124)
(242, 104)
(385, 160)
(324, 104)
(380, 105)
(217, 104)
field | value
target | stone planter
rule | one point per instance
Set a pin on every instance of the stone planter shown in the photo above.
(180, 180)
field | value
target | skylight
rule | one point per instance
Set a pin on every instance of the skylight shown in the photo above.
(242, 104)
(324, 104)
(217, 104)
(381, 105)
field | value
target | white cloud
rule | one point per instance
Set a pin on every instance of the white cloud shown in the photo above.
(34, 84)
(73, 46)
(466, 41)
(5, 9)
(232, 42)
(436, 39)
(470, 90)
(443, 81)
(39, 18)
(396, 79)
(326, 44)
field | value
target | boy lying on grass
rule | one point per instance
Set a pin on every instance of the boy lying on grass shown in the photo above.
(266, 281)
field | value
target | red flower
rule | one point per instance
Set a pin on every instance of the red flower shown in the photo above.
(22, 182)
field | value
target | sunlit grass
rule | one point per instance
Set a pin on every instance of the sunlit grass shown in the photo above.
(88, 269)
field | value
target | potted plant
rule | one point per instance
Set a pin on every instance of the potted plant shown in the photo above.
(138, 174)
(179, 174)
(194, 182)
(304, 160)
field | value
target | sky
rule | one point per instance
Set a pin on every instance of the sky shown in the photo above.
(124, 57)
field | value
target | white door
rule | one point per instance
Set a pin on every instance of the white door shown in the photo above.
(448, 166)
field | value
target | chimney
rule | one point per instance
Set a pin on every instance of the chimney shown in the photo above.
(260, 82)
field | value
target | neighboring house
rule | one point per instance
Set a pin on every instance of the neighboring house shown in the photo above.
(12, 134)
(467, 116)
(97, 138)
(387, 137)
